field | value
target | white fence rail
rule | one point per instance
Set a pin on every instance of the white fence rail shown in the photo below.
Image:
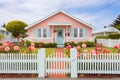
(99, 64)
(60, 64)
(109, 42)
(18, 63)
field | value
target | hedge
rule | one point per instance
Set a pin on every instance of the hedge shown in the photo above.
(114, 36)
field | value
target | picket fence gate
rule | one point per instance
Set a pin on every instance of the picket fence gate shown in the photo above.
(60, 64)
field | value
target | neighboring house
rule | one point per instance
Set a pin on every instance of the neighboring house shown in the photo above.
(7, 35)
(59, 27)
(105, 31)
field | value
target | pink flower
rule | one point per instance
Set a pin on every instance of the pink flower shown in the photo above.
(93, 52)
(78, 55)
(32, 44)
(7, 42)
(7, 49)
(12, 45)
(1, 47)
(16, 48)
(84, 45)
(106, 51)
(68, 47)
(99, 48)
(31, 48)
(116, 47)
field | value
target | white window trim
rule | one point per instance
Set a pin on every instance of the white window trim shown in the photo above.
(78, 33)
(42, 33)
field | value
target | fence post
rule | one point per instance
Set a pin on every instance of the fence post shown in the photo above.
(73, 56)
(41, 62)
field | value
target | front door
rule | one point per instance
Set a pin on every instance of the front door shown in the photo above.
(60, 37)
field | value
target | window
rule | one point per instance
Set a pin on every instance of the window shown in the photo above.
(39, 32)
(6, 33)
(75, 33)
(81, 33)
(44, 33)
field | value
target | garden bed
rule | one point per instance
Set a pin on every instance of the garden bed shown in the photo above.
(18, 75)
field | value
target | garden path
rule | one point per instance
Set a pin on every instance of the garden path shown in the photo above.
(58, 65)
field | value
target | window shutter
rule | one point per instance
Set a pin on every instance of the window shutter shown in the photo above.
(84, 32)
(72, 32)
(36, 32)
(48, 32)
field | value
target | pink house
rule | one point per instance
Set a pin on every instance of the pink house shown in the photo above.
(59, 27)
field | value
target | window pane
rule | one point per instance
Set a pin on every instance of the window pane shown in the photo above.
(81, 33)
(44, 33)
(75, 33)
(39, 32)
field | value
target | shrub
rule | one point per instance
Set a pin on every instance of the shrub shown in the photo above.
(70, 43)
(28, 43)
(89, 43)
(114, 36)
(45, 45)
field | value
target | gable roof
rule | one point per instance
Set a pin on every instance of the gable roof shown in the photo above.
(108, 29)
(56, 12)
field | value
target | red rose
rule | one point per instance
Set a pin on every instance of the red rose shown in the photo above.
(116, 47)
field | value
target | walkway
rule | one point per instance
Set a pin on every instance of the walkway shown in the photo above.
(58, 65)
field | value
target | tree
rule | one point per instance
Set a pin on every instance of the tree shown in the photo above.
(17, 28)
(1, 37)
(116, 23)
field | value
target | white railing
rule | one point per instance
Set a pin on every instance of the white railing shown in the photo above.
(99, 64)
(109, 42)
(59, 63)
(18, 63)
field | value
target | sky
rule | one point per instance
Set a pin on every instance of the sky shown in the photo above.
(99, 13)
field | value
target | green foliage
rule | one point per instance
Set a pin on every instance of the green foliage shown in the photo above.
(28, 43)
(116, 23)
(1, 36)
(16, 27)
(70, 43)
(88, 43)
(114, 36)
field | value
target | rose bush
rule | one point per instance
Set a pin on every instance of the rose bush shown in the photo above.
(9, 47)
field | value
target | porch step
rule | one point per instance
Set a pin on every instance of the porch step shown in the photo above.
(60, 46)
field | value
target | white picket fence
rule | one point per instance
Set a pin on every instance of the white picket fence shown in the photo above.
(18, 63)
(109, 42)
(60, 64)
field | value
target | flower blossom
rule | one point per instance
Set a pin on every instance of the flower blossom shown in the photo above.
(7, 49)
(16, 48)
(31, 48)
(84, 45)
(116, 47)
(7, 42)
(32, 44)
(68, 47)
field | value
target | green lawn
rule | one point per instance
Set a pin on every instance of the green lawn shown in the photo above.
(50, 51)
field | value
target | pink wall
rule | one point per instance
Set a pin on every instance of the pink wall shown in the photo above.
(60, 17)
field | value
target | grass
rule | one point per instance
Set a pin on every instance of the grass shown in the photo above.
(50, 51)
